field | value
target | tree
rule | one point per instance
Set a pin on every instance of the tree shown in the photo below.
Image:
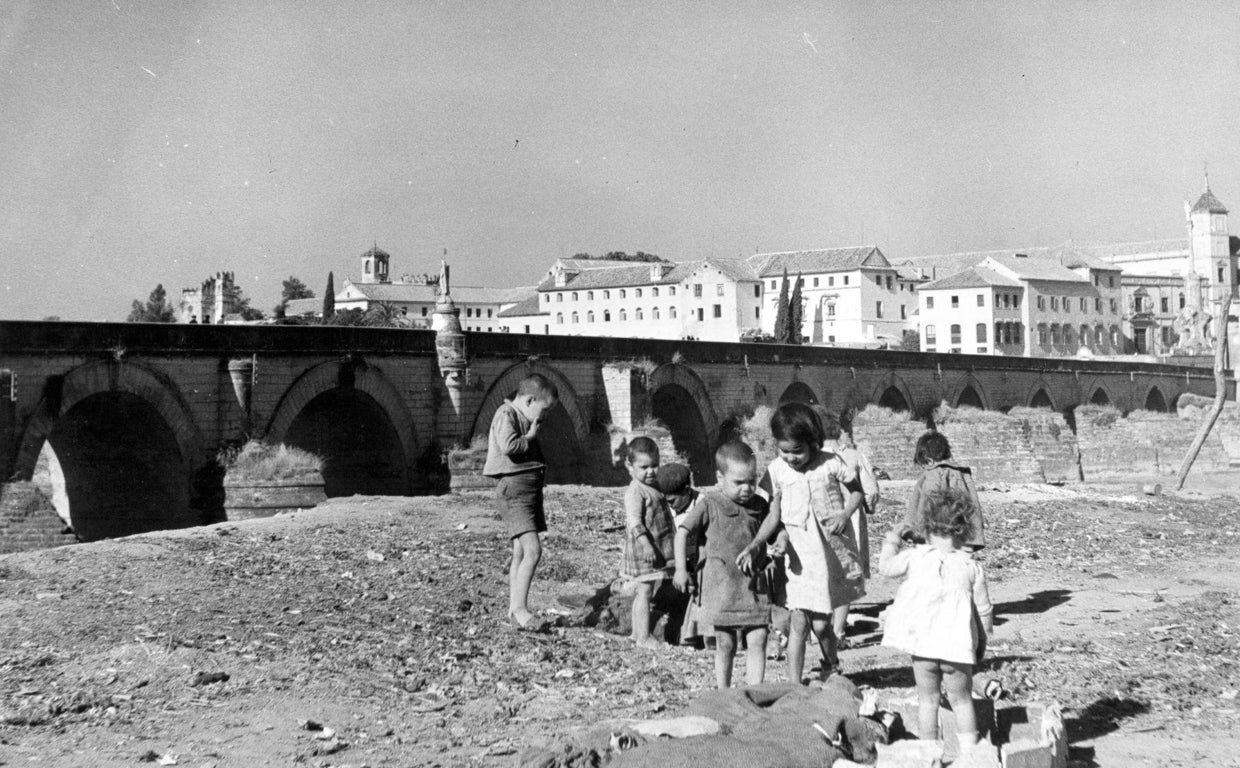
(329, 299)
(781, 312)
(155, 310)
(245, 310)
(293, 289)
(795, 313)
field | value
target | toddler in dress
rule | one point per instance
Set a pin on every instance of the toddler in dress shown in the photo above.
(932, 616)
(649, 534)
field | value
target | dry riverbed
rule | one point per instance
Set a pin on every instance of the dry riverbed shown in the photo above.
(380, 622)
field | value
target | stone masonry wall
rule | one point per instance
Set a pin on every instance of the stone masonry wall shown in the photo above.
(28, 520)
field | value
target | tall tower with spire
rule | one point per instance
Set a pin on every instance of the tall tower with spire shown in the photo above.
(375, 265)
(1208, 244)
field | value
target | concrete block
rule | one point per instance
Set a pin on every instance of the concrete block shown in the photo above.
(910, 753)
(677, 727)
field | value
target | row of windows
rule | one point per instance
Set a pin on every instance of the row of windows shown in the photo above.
(1005, 333)
(622, 293)
(878, 310)
(830, 282)
(622, 315)
(1083, 303)
(1005, 300)
(470, 312)
(1055, 334)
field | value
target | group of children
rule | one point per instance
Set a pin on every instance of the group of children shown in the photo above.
(795, 537)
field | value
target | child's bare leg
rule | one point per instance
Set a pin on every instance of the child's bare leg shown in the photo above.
(641, 615)
(929, 678)
(526, 552)
(797, 630)
(755, 656)
(725, 653)
(820, 624)
(958, 684)
(839, 621)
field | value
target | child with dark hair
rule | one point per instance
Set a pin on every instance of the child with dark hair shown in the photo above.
(809, 500)
(734, 600)
(934, 453)
(941, 613)
(649, 534)
(673, 482)
(515, 459)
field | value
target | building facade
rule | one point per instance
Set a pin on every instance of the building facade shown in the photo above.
(210, 303)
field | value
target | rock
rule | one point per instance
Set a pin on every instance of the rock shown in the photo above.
(677, 727)
(982, 755)
(1027, 753)
(910, 753)
(207, 678)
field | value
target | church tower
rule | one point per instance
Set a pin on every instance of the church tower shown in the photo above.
(375, 265)
(1208, 245)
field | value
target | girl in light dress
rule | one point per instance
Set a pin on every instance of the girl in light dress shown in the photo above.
(808, 499)
(941, 613)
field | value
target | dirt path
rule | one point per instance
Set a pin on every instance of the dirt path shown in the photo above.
(381, 620)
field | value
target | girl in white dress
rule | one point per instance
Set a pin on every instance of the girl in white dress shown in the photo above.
(809, 501)
(933, 615)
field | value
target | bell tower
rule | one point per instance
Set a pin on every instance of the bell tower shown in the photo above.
(375, 265)
(1208, 247)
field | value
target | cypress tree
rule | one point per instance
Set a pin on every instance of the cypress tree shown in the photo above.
(781, 313)
(795, 313)
(329, 299)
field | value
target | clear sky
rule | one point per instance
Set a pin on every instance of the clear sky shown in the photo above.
(145, 143)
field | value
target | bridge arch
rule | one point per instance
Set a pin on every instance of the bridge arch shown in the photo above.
(891, 393)
(969, 393)
(679, 399)
(107, 420)
(1040, 396)
(1155, 401)
(349, 413)
(798, 392)
(564, 430)
(1098, 393)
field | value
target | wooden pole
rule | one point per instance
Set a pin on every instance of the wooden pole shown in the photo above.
(1220, 389)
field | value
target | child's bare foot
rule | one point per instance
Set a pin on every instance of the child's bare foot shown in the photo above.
(648, 642)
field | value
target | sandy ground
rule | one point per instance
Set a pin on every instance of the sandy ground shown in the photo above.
(381, 619)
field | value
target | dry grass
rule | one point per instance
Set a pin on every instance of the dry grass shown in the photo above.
(877, 413)
(1098, 415)
(945, 414)
(257, 461)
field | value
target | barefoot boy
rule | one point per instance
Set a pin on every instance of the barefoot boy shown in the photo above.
(515, 458)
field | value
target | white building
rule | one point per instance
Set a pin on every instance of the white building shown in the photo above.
(850, 295)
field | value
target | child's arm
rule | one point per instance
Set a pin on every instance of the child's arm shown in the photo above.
(770, 523)
(912, 512)
(892, 563)
(690, 525)
(847, 478)
(981, 601)
(508, 434)
(636, 523)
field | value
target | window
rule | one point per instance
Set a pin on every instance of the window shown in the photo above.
(981, 299)
(697, 290)
(1181, 303)
(622, 316)
(590, 316)
(671, 290)
(1114, 307)
(1221, 275)
(1115, 337)
(955, 302)
(637, 292)
(903, 313)
(830, 310)
(757, 291)
(654, 314)
(815, 282)
(1016, 301)
(1042, 337)
(878, 309)
(1084, 305)
(845, 279)
(1098, 305)
(1165, 304)
(606, 315)
(757, 313)
(981, 333)
(1055, 333)
(559, 318)
(637, 314)
(999, 328)
(1054, 303)
(929, 302)
(655, 291)
(889, 282)
(469, 312)
(930, 335)
(574, 318)
(955, 334)
(606, 294)
(671, 313)
(701, 314)
(574, 295)
(718, 289)
(831, 281)
(1166, 335)
(718, 310)
(546, 298)
(878, 280)
(623, 294)
(589, 295)
(488, 313)
(773, 285)
(1099, 335)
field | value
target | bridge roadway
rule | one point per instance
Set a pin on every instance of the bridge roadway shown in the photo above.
(132, 416)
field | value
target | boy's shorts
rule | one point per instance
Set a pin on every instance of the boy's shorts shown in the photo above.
(519, 499)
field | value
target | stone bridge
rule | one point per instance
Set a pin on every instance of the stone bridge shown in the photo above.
(131, 417)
